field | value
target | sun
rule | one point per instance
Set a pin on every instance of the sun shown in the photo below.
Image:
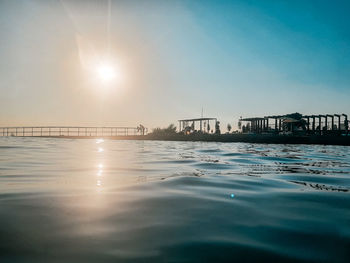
(106, 72)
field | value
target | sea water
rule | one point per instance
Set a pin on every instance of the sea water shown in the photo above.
(88, 200)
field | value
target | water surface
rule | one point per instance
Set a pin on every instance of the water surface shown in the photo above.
(65, 200)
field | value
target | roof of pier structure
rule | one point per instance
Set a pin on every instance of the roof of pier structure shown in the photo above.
(264, 118)
(199, 119)
(291, 115)
(252, 119)
(274, 117)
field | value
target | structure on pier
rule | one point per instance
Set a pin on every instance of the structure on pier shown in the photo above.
(297, 123)
(202, 125)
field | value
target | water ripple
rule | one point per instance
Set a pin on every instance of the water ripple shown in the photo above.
(64, 200)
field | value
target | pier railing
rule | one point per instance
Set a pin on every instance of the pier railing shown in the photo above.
(48, 131)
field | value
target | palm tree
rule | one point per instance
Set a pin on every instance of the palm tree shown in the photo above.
(229, 127)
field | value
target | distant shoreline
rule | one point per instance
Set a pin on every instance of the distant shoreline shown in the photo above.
(248, 138)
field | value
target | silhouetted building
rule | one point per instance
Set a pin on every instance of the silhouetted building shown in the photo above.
(297, 123)
(188, 126)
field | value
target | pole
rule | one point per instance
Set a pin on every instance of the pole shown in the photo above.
(319, 123)
(279, 124)
(267, 124)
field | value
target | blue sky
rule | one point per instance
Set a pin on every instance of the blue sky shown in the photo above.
(233, 58)
(307, 40)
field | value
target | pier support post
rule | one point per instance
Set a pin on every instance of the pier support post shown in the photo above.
(263, 124)
(275, 124)
(267, 124)
(280, 125)
(319, 124)
(346, 124)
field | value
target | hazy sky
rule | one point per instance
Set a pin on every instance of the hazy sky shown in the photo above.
(233, 58)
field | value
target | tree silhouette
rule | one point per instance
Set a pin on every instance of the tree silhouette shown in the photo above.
(171, 129)
(229, 127)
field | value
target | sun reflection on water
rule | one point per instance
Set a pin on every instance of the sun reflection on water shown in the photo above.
(100, 140)
(99, 167)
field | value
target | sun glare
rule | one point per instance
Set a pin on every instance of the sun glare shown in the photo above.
(106, 72)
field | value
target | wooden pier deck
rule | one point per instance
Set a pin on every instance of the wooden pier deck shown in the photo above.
(70, 131)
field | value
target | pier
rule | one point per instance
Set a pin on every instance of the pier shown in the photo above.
(71, 131)
(328, 124)
(188, 126)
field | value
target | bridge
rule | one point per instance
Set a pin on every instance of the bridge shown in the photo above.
(71, 131)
